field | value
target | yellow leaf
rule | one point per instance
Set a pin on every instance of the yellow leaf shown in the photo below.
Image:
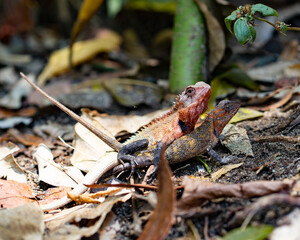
(245, 114)
(87, 11)
(82, 51)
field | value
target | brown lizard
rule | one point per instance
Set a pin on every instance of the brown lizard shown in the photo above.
(203, 139)
(158, 133)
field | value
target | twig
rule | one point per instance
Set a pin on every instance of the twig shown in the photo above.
(110, 141)
(290, 139)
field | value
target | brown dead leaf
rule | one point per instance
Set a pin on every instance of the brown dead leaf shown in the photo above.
(13, 194)
(63, 225)
(197, 192)
(24, 112)
(93, 197)
(160, 221)
(25, 139)
(23, 222)
(280, 103)
(217, 41)
(53, 194)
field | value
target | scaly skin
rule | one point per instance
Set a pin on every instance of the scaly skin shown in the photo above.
(176, 123)
(203, 138)
(179, 121)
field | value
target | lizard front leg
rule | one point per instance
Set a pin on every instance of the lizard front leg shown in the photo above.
(127, 151)
(157, 153)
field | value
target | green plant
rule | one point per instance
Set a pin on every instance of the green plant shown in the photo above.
(243, 18)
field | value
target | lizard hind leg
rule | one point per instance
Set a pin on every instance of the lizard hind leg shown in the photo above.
(216, 156)
(126, 153)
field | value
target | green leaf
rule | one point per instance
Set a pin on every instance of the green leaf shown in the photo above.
(208, 169)
(114, 7)
(250, 233)
(284, 27)
(228, 20)
(242, 30)
(219, 88)
(264, 10)
(253, 33)
(239, 78)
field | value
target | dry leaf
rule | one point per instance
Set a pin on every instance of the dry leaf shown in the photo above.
(270, 72)
(160, 221)
(245, 114)
(197, 192)
(24, 112)
(290, 229)
(24, 222)
(216, 37)
(13, 194)
(82, 51)
(62, 226)
(52, 173)
(25, 139)
(52, 194)
(280, 103)
(88, 147)
(236, 140)
(8, 165)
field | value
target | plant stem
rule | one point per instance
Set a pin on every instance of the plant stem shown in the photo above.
(188, 58)
(276, 27)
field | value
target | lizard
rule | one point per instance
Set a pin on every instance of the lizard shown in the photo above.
(158, 133)
(203, 139)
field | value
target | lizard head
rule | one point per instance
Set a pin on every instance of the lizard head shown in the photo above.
(193, 102)
(222, 114)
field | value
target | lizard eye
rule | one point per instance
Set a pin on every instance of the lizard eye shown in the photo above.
(190, 91)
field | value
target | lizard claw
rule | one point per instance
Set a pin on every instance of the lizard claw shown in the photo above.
(152, 175)
(221, 160)
(125, 153)
(228, 159)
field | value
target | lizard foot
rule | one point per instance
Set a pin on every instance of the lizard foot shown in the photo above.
(152, 175)
(228, 159)
(216, 156)
(127, 151)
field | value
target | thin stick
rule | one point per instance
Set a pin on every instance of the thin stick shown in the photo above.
(113, 143)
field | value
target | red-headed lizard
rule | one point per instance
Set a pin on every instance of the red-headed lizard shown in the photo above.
(203, 139)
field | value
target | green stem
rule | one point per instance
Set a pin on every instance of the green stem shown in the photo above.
(264, 20)
(188, 58)
(275, 26)
(293, 29)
